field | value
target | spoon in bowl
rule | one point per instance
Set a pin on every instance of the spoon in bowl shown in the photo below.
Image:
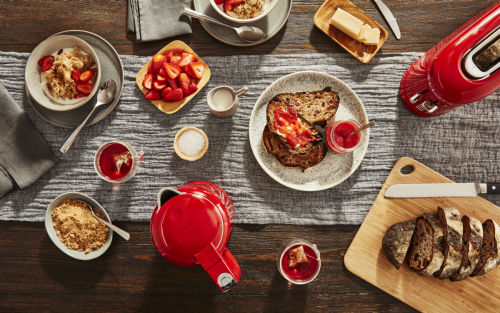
(246, 33)
(117, 230)
(361, 128)
(105, 94)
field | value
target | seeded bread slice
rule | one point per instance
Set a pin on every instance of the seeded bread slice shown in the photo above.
(318, 107)
(437, 246)
(489, 256)
(316, 139)
(453, 231)
(304, 160)
(396, 242)
(471, 247)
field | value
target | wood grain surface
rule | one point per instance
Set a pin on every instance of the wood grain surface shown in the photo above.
(131, 276)
(366, 258)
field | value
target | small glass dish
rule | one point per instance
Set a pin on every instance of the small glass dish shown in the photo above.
(302, 273)
(117, 162)
(332, 143)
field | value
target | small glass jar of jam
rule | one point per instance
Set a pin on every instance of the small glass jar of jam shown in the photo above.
(337, 139)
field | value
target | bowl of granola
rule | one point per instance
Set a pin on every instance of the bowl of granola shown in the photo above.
(62, 73)
(243, 11)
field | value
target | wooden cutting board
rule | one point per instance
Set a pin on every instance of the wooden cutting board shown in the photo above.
(366, 259)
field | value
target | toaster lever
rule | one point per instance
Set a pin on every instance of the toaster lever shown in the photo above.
(428, 106)
(417, 96)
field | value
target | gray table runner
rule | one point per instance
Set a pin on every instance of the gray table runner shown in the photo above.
(462, 145)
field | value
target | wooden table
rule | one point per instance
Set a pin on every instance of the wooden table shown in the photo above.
(132, 276)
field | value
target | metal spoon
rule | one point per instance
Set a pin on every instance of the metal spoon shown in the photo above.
(246, 33)
(362, 128)
(105, 94)
(117, 230)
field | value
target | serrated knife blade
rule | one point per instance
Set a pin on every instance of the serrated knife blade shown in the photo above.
(440, 190)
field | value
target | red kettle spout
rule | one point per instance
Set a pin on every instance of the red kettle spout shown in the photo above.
(222, 267)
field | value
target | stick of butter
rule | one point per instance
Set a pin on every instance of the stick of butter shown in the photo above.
(373, 37)
(363, 34)
(347, 23)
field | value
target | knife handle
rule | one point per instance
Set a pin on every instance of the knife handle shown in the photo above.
(493, 188)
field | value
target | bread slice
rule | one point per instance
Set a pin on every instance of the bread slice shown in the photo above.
(396, 242)
(318, 107)
(437, 246)
(489, 256)
(452, 231)
(471, 247)
(304, 160)
(316, 139)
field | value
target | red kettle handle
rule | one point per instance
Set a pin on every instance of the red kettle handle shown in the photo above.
(223, 268)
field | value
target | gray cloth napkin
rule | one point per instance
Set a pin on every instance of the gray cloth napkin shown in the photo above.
(24, 155)
(157, 19)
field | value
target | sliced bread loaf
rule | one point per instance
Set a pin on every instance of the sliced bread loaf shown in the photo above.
(318, 107)
(489, 256)
(437, 246)
(452, 231)
(471, 247)
(396, 242)
(420, 254)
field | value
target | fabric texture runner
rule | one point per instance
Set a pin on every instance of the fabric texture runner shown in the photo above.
(463, 145)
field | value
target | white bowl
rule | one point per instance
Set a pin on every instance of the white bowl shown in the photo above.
(33, 72)
(49, 225)
(268, 6)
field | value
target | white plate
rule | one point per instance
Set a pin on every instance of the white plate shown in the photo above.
(335, 168)
(49, 225)
(33, 72)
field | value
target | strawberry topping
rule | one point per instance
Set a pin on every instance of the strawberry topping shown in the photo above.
(85, 89)
(197, 69)
(289, 126)
(76, 76)
(153, 95)
(86, 76)
(47, 63)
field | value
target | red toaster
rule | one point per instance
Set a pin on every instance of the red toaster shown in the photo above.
(461, 69)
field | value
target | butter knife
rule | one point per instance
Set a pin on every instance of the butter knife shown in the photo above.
(389, 18)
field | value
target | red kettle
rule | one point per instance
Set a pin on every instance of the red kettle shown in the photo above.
(190, 226)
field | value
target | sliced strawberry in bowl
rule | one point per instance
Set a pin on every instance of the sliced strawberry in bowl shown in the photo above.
(184, 82)
(172, 70)
(228, 7)
(191, 89)
(159, 86)
(234, 2)
(173, 83)
(148, 81)
(47, 63)
(161, 79)
(164, 93)
(175, 60)
(197, 68)
(158, 60)
(186, 58)
(85, 89)
(76, 76)
(189, 71)
(219, 2)
(41, 60)
(162, 72)
(80, 95)
(86, 76)
(176, 95)
(150, 68)
(153, 95)
(169, 56)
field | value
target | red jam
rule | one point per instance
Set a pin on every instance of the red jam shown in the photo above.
(304, 270)
(288, 124)
(115, 161)
(342, 142)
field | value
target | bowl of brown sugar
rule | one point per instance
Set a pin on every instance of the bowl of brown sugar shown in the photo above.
(73, 228)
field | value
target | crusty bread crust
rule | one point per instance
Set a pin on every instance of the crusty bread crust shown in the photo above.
(489, 256)
(471, 248)
(396, 242)
(453, 231)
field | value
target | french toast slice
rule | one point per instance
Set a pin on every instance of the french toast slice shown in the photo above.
(318, 107)
(305, 160)
(317, 136)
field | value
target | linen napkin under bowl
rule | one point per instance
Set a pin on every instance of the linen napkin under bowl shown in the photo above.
(24, 155)
(157, 19)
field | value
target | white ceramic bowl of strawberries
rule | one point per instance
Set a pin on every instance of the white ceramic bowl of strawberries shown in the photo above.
(40, 60)
(221, 6)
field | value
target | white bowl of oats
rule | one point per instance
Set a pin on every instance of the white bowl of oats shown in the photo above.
(243, 11)
(63, 73)
(73, 228)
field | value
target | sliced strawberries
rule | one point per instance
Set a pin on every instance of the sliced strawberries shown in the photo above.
(40, 61)
(159, 86)
(76, 76)
(47, 63)
(175, 60)
(85, 89)
(86, 76)
(153, 95)
(161, 79)
(150, 68)
(219, 2)
(175, 95)
(169, 56)
(148, 81)
(234, 2)
(158, 60)
(189, 71)
(227, 7)
(192, 89)
(197, 69)
(162, 72)
(186, 58)
(172, 70)
(173, 83)
(80, 95)
(165, 92)
(184, 82)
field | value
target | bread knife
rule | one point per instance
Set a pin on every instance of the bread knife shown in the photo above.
(441, 190)
(389, 18)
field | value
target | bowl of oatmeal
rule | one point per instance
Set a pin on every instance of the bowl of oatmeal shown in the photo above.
(74, 230)
(63, 73)
(243, 11)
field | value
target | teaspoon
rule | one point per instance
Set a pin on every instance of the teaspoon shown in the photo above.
(246, 33)
(117, 230)
(360, 129)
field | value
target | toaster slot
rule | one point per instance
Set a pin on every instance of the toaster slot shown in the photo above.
(484, 58)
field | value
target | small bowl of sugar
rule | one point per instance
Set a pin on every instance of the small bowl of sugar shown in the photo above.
(190, 143)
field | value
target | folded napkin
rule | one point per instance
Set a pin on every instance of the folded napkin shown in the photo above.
(157, 19)
(24, 155)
